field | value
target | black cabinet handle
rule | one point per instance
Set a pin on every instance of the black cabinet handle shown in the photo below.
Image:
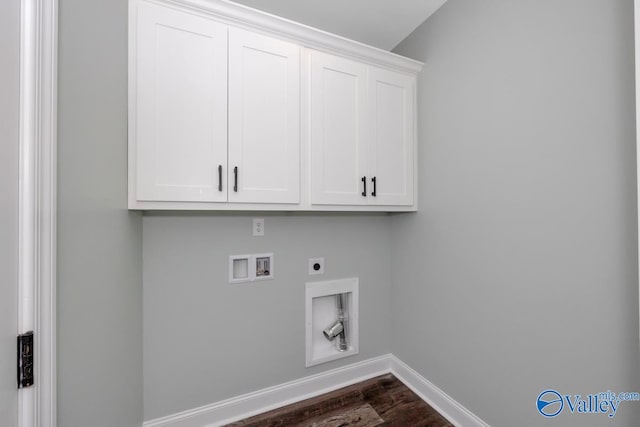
(364, 181)
(219, 177)
(235, 179)
(373, 180)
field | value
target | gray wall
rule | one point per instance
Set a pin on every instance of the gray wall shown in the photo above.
(206, 340)
(99, 241)
(519, 273)
(9, 161)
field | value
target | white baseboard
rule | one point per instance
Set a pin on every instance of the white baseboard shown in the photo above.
(247, 405)
(436, 398)
(250, 404)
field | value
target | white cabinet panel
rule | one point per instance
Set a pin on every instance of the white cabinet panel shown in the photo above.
(338, 115)
(181, 108)
(361, 126)
(264, 119)
(391, 157)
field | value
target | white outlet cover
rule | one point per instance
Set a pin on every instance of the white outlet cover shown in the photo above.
(258, 226)
(312, 266)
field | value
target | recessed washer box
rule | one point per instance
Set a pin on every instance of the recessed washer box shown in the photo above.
(251, 268)
(321, 311)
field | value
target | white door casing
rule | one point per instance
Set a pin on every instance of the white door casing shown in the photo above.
(37, 205)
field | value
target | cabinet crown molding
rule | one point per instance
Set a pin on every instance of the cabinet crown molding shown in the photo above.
(244, 16)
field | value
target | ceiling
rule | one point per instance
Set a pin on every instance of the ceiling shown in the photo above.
(380, 23)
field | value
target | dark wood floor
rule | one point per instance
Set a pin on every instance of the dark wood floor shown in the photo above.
(380, 401)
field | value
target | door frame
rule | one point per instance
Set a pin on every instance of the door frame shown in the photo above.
(37, 205)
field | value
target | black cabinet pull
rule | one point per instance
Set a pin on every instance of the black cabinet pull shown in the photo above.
(373, 180)
(364, 181)
(235, 179)
(219, 177)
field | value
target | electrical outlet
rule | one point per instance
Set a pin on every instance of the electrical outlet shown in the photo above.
(316, 266)
(258, 227)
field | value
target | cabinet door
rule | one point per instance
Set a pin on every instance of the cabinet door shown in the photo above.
(181, 111)
(338, 116)
(391, 140)
(264, 119)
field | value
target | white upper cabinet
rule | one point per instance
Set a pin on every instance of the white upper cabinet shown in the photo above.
(338, 130)
(234, 109)
(391, 139)
(181, 108)
(362, 139)
(264, 119)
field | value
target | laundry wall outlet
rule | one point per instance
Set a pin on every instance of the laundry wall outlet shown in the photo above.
(251, 268)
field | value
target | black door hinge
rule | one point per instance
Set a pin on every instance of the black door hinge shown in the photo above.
(25, 360)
